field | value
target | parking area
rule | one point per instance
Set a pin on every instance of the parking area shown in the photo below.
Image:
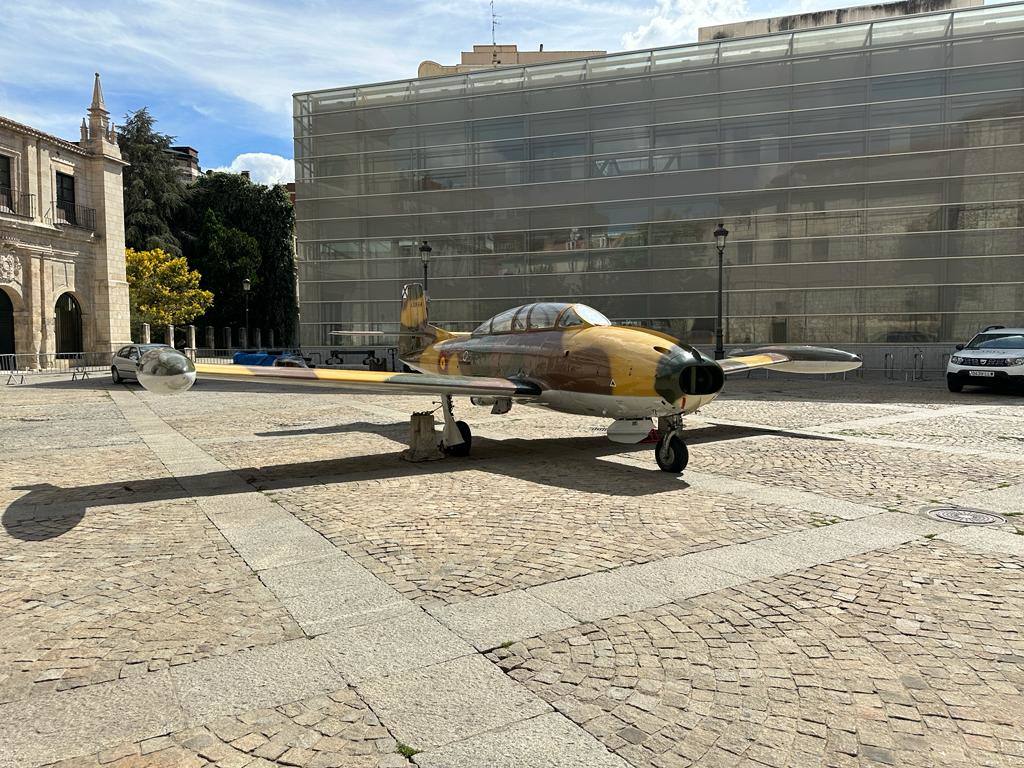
(251, 576)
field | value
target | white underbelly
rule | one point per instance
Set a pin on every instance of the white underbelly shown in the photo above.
(616, 406)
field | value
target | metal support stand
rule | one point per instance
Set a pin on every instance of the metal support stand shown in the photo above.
(422, 439)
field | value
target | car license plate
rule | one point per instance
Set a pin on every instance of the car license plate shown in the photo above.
(983, 373)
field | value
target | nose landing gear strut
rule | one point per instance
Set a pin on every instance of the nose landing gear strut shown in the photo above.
(671, 452)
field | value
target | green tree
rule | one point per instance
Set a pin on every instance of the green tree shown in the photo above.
(266, 216)
(153, 189)
(226, 256)
(162, 290)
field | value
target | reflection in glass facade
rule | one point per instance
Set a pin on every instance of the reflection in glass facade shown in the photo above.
(871, 176)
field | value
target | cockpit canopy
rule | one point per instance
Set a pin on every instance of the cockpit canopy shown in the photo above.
(540, 316)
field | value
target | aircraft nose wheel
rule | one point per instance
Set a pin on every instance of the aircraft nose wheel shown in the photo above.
(671, 453)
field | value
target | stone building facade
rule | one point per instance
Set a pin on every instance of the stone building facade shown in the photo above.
(62, 267)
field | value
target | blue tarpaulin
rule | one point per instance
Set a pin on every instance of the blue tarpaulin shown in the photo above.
(254, 358)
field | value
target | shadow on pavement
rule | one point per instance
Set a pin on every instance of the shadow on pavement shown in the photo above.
(48, 511)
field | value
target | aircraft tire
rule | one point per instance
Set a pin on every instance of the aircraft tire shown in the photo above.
(671, 454)
(463, 448)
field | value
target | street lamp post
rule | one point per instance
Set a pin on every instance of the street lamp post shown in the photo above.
(246, 287)
(425, 250)
(720, 235)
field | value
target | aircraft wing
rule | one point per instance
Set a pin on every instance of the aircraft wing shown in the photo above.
(792, 359)
(371, 382)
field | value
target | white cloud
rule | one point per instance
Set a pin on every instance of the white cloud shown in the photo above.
(674, 22)
(263, 167)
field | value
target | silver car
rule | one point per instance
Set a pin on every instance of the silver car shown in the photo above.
(122, 365)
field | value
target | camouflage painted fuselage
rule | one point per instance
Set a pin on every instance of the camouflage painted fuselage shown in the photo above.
(620, 372)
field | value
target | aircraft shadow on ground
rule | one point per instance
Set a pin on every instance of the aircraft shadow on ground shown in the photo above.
(48, 511)
(575, 463)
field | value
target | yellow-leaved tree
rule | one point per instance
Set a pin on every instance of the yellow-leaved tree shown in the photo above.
(162, 289)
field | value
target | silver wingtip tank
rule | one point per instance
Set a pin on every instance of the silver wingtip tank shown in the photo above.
(166, 371)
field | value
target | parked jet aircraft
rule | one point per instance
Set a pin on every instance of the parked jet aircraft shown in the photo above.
(567, 357)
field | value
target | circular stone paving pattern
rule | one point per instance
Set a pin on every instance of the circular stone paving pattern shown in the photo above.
(856, 663)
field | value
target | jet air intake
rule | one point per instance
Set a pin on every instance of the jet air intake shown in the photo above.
(683, 372)
(704, 378)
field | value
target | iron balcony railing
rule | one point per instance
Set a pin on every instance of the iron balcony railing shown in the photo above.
(69, 214)
(19, 205)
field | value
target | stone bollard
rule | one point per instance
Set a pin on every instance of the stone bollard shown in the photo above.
(243, 338)
(191, 343)
(256, 339)
(211, 337)
(270, 338)
(169, 339)
(145, 333)
(423, 440)
(226, 336)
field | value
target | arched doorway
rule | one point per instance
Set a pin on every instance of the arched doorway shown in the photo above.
(68, 321)
(6, 331)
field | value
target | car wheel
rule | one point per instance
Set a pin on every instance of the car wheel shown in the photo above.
(955, 385)
(115, 375)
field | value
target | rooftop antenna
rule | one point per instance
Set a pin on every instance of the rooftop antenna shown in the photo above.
(494, 39)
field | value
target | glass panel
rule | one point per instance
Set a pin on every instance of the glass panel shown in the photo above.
(544, 315)
(825, 40)
(619, 66)
(685, 58)
(979, 21)
(503, 323)
(901, 31)
(743, 51)
(519, 321)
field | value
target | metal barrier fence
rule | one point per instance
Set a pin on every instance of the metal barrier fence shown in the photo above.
(81, 365)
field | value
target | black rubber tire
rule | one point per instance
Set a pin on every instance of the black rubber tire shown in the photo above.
(955, 385)
(672, 454)
(463, 448)
(115, 375)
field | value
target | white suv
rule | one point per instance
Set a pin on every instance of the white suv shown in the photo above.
(994, 356)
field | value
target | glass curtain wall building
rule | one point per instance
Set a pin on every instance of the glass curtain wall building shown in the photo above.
(871, 176)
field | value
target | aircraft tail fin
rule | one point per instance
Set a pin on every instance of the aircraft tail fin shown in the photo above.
(417, 333)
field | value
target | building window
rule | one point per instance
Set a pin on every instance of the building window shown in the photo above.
(65, 198)
(6, 193)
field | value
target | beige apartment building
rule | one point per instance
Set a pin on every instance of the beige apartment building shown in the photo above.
(62, 268)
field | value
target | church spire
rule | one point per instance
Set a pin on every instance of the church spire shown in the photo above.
(97, 97)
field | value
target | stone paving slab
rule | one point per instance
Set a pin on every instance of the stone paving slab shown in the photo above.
(547, 741)
(598, 595)
(449, 702)
(490, 621)
(261, 677)
(391, 646)
(986, 540)
(58, 725)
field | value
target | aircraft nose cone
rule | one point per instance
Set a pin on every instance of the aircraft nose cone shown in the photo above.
(165, 371)
(683, 372)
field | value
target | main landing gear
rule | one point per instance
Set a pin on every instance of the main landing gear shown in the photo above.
(671, 452)
(456, 437)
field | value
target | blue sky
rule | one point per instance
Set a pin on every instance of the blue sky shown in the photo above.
(219, 74)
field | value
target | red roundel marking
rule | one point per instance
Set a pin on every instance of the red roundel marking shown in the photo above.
(442, 361)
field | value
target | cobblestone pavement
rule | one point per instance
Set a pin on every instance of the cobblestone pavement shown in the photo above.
(335, 730)
(142, 588)
(908, 657)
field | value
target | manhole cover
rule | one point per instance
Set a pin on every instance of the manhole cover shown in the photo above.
(964, 516)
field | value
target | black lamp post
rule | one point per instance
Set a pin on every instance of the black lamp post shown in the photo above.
(425, 250)
(720, 235)
(246, 287)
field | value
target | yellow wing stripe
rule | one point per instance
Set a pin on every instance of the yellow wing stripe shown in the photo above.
(384, 382)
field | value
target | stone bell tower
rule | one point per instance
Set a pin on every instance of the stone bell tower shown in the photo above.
(111, 309)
